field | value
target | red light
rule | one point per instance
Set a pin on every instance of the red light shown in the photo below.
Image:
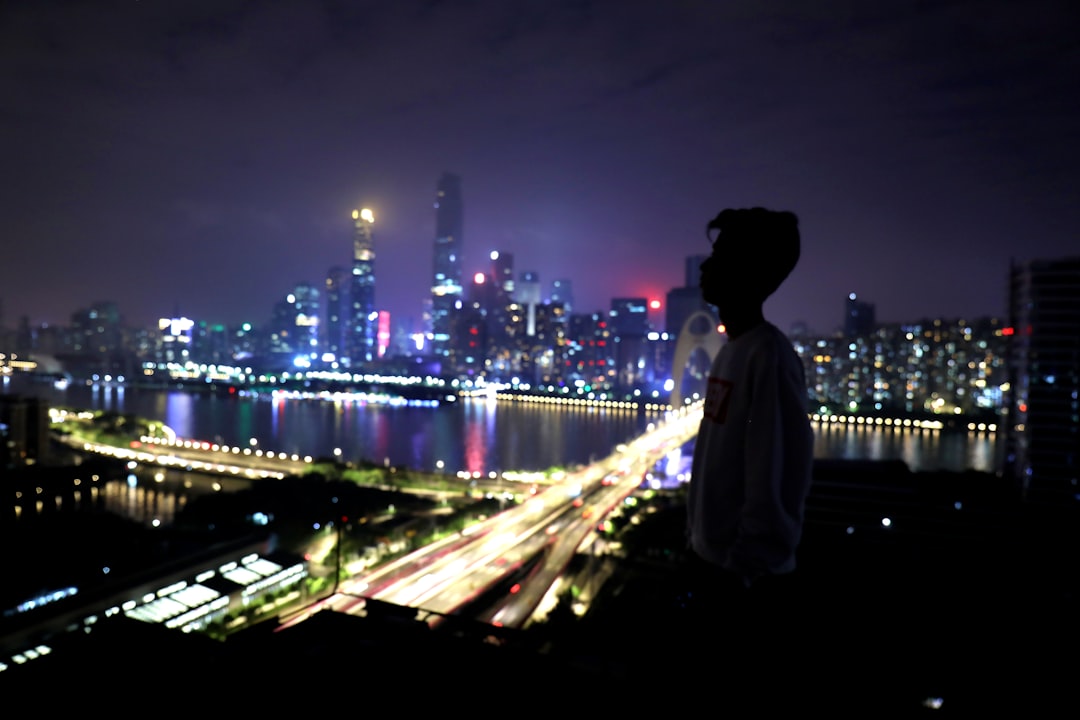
(654, 304)
(1007, 331)
(514, 590)
(1023, 407)
(478, 278)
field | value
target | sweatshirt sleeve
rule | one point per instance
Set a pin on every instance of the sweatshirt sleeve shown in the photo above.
(767, 536)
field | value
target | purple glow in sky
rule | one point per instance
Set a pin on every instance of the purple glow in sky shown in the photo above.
(204, 157)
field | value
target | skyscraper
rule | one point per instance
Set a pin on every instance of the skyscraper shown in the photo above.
(363, 318)
(1042, 441)
(527, 294)
(336, 326)
(629, 318)
(294, 325)
(446, 286)
(858, 317)
(562, 292)
(502, 274)
(527, 290)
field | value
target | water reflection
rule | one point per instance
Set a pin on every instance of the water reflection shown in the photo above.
(150, 496)
(920, 449)
(475, 434)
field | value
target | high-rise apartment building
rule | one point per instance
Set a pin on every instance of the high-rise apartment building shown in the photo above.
(362, 340)
(446, 286)
(1042, 443)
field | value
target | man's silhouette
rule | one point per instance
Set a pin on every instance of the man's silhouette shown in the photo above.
(754, 450)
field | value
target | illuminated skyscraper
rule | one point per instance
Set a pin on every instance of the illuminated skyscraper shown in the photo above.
(294, 325)
(629, 319)
(562, 293)
(502, 273)
(362, 340)
(446, 287)
(527, 290)
(527, 293)
(1042, 442)
(337, 311)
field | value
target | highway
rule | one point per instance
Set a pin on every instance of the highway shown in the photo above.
(541, 534)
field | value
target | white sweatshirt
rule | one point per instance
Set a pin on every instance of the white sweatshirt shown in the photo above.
(753, 457)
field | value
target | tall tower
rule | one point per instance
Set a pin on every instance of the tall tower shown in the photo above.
(1042, 424)
(629, 320)
(527, 293)
(446, 286)
(859, 318)
(363, 318)
(335, 329)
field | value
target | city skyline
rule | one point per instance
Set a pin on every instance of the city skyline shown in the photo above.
(207, 159)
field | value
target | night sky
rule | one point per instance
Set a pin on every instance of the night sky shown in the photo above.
(204, 157)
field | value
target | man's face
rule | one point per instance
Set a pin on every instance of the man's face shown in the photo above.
(723, 281)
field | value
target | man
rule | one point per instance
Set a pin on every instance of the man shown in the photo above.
(754, 451)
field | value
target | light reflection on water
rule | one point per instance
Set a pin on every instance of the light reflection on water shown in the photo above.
(922, 450)
(477, 435)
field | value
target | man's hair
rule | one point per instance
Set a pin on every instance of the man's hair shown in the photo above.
(764, 243)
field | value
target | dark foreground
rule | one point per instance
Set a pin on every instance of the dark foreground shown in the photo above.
(964, 604)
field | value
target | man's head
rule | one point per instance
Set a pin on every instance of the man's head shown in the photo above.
(753, 253)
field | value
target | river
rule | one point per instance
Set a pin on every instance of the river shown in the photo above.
(475, 435)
